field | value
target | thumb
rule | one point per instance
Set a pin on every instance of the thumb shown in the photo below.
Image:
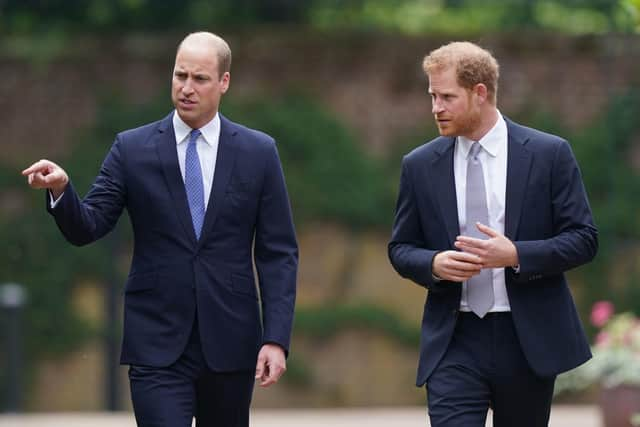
(487, 230)
(260, 366)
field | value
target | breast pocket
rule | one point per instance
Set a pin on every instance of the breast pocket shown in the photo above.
(240, 186)
(241, 201)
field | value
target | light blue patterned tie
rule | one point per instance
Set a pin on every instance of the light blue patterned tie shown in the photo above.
(193, 183)
(479, 287)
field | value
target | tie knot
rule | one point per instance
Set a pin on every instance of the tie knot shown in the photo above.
(474, 150)
(193, 136)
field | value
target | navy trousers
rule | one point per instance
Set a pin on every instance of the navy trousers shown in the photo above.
(484, 367)
(173, 396)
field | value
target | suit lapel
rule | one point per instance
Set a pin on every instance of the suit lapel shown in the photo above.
(443, 184)
(168, 155)
(518, 167)
(225, 159)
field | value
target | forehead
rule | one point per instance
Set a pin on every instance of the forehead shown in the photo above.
(441, 80)
(197, 58)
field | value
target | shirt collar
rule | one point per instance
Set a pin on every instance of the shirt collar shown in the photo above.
(492, 142)
(210, 132)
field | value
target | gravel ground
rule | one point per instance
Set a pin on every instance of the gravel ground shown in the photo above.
(561, 416)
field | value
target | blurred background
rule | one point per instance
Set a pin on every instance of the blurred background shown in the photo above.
(339, 85)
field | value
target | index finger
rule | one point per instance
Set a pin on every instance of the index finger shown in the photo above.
(37, 166)
(267, 377)
(272, 377)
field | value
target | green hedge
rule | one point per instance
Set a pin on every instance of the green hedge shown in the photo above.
(329, 175)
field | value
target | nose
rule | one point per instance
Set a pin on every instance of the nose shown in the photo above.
(436, 106)
(187, 89)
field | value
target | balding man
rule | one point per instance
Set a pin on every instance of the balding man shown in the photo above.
(207, 199)
(489, 217)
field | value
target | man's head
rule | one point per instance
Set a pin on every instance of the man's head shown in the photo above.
(463, 83)
(200, 77)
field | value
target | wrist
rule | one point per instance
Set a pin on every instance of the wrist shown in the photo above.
(515, 260)
(435, 275)
(58, 189)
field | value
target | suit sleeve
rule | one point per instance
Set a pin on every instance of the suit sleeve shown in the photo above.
(407, 249)
(574, 239)
(276, 254)
(84, 221)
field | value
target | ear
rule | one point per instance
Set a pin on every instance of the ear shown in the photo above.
(481, 92)
(224, 82)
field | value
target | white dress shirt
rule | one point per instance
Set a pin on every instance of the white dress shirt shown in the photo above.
(493, 157)
(207, 146)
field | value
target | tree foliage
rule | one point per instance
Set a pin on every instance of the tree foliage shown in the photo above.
(411, 16)
(329, 175)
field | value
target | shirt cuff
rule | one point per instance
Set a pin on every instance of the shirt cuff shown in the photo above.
(54, 203)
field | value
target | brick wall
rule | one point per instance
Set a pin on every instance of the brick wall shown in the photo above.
(374, 82)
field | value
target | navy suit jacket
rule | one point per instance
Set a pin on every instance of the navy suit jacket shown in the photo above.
(248, 220)
(547, 217)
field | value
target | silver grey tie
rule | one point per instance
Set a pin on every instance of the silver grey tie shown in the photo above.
(479, 287)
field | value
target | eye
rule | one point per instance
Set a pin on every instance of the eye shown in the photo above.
(180, 75)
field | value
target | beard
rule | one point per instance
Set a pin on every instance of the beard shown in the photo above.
(465, 124)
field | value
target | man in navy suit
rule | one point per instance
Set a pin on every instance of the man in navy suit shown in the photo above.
(489, 217)
(207, 199)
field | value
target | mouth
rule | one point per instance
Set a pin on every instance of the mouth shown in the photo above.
(186, 103)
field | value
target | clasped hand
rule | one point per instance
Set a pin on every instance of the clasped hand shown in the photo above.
(474, 254)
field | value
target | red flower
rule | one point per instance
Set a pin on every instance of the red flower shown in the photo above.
(601, 313)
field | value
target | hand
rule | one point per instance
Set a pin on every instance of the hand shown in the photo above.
(456, 266)
(46, 174)
(495, 252)
(271, 364)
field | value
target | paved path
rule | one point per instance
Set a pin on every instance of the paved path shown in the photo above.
(561, 416)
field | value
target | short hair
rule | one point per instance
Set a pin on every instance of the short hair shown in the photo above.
(223, 51)
(472, 64)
